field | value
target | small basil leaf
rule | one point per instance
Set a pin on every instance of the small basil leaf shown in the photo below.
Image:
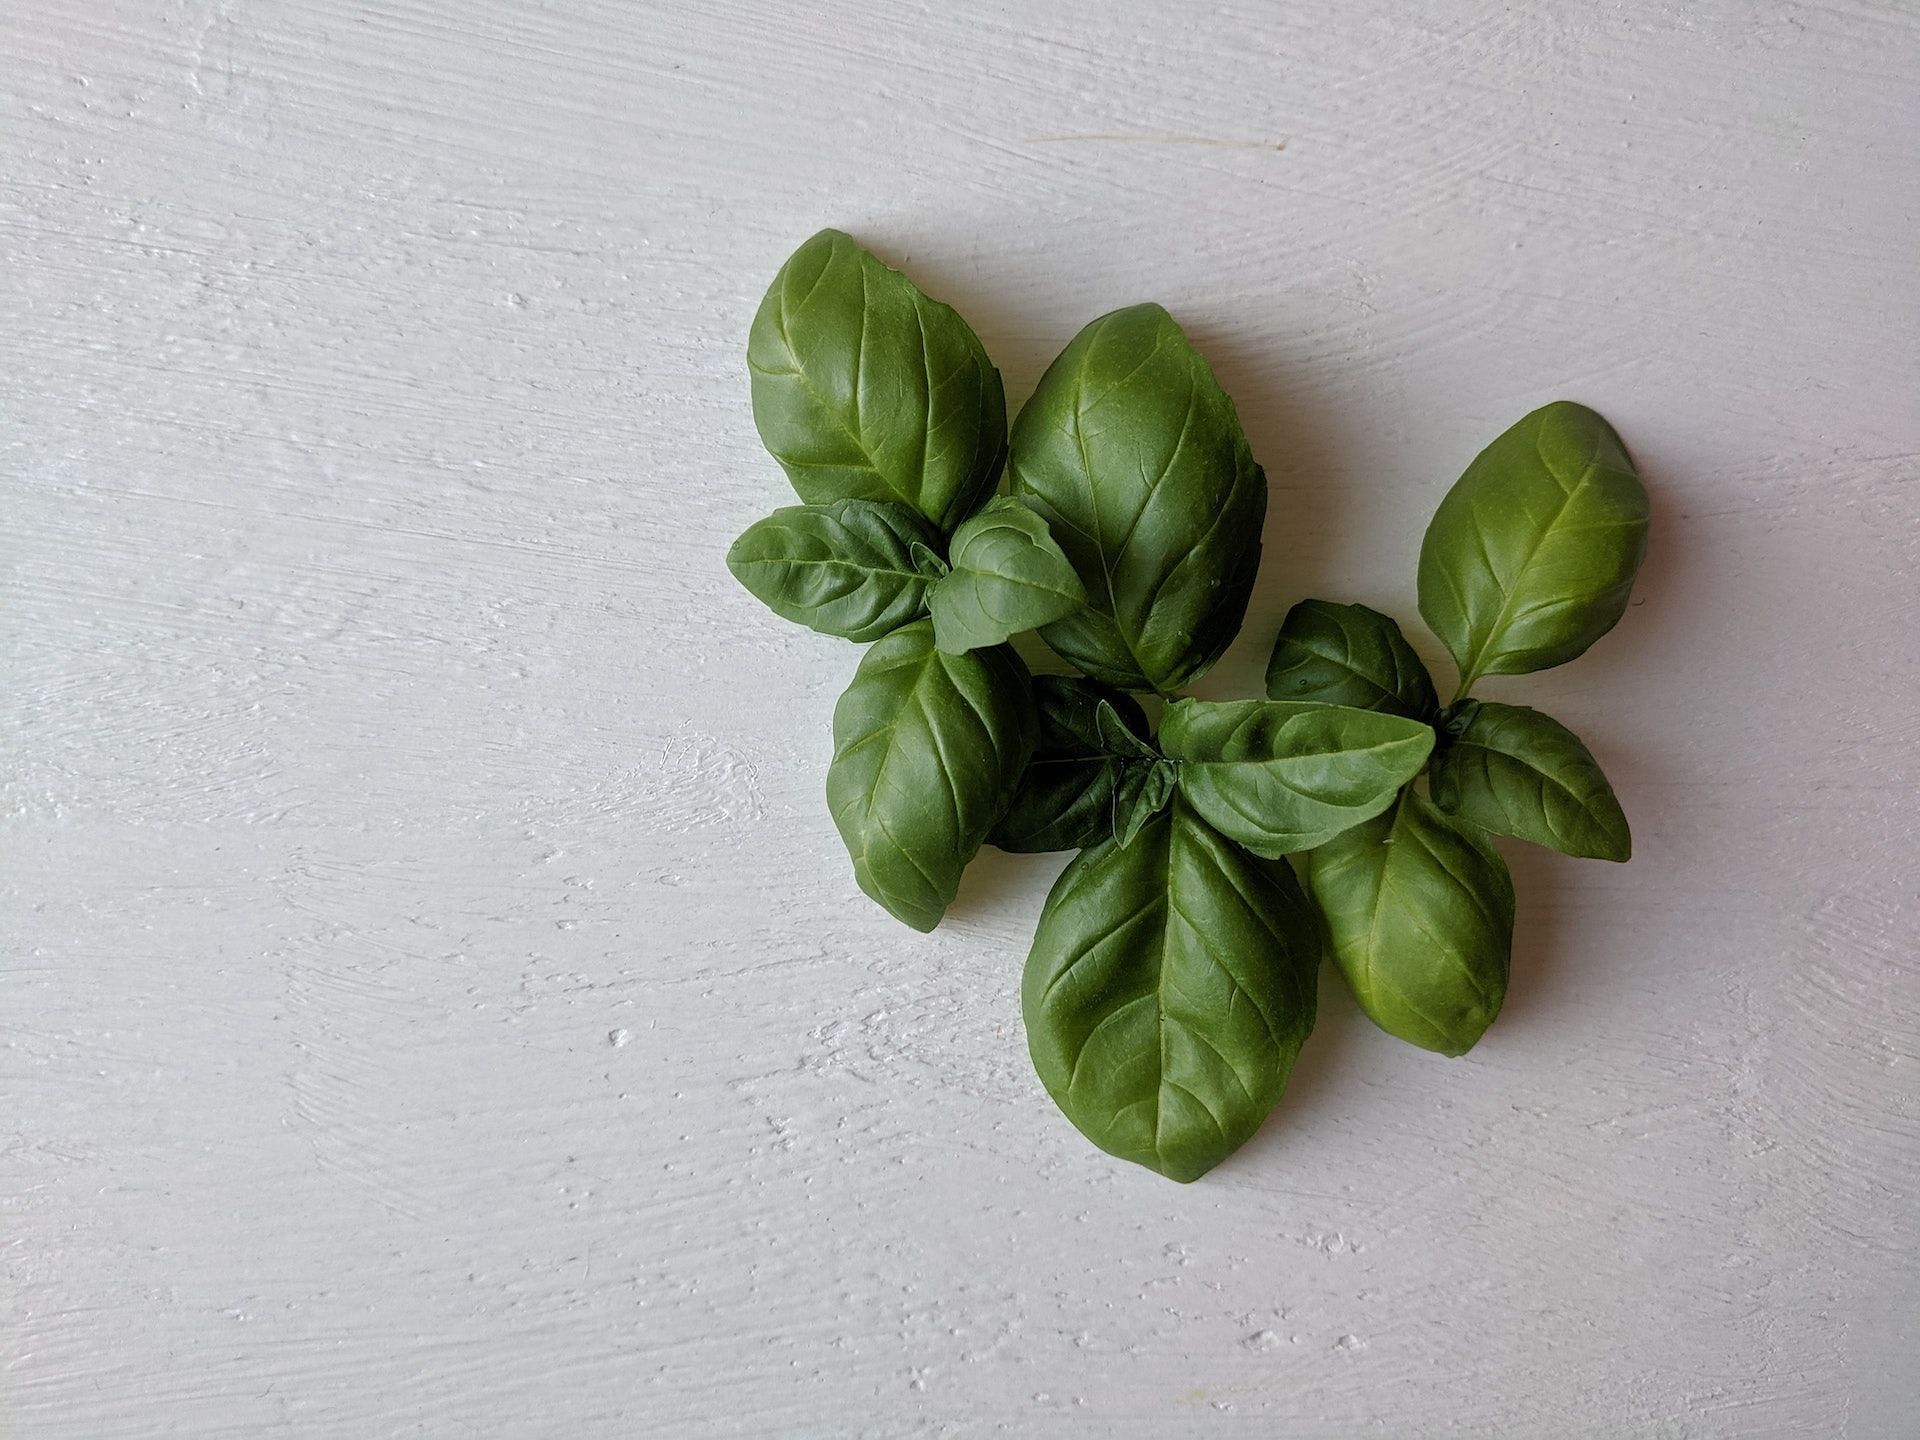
(927, 561)
(1279, 776)
(1420, 910)
(928, 748)
(1145, 789)
(1133, 453)
(1169, 989)
(1532, 553)
(1066, 797)
(1348, 655)
(1122, 734)
(844, 569)
(1007, 577)
(1517, 772)
(866, 389)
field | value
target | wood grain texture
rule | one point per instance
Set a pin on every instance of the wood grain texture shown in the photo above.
(433, 999)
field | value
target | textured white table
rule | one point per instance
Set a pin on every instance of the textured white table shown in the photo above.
(434, 998)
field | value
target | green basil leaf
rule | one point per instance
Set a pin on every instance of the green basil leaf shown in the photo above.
(928, 748)
(1124, 733)
(1420, 910)
(1067, 795)
(844, 569)
(1145, 789)
(1517, 772)
(1007, 576)
(1348, 655)
(1280, 776)
(1170, 987)
(1532, 553)
(927, 561)
(1134, 455)
(866, 389)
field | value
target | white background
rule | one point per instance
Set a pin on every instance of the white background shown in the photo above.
(435, 1000)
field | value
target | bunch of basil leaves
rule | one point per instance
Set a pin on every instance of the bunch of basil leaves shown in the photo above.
(1172, 977)
(883, 409)
(1529, 560)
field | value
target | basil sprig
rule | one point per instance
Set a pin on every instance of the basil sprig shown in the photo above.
(1530, 558)
(1173, 973)
(882, 407)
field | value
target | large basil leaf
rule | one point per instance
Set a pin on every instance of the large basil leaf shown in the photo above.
(1420, 910)
(1133, 453)
(843, 569)
(1517, 772)
(1007, 577)
(1280, 776)
(1532, 553)
(928, 748)
(1067, 796)
(1348, 655)
(1170, 987)
(866, 389)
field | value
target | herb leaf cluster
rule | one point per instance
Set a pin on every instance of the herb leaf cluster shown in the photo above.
(1224, 852)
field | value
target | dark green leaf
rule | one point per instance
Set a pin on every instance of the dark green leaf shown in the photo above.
(1517, 772)
(927, 561)
(1066, 797)
(928, 748)
(843, 569)
(1280, 776)
(1348, 655)
(1532, 553)
(1169, 990)
(866, 389)
(1007, 576)
(1133, 453)
(1420, 910)
(1124, 733)
(1145, 790)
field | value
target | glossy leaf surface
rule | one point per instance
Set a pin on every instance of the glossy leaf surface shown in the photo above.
(1348, 655)
(844, 569)
(1517, 772)
(1531, 555)
(1170, 987)
(1281, 776)
(928, 748)
(864, 388)
(1134, 455)
(1420, 912)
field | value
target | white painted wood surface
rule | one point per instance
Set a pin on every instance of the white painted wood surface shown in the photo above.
(435, 1001)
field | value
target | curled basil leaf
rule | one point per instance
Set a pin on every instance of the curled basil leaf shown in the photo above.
(866, 389)
(1531, 555)
(1145, 789)
(1006, 576)
(1348, 655)
(845, 569)
(1170, 987)
(1420, 910)
(1280, 776)
(1067, 796)
(928, 748)
(1134, 455)
(1517, 772)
